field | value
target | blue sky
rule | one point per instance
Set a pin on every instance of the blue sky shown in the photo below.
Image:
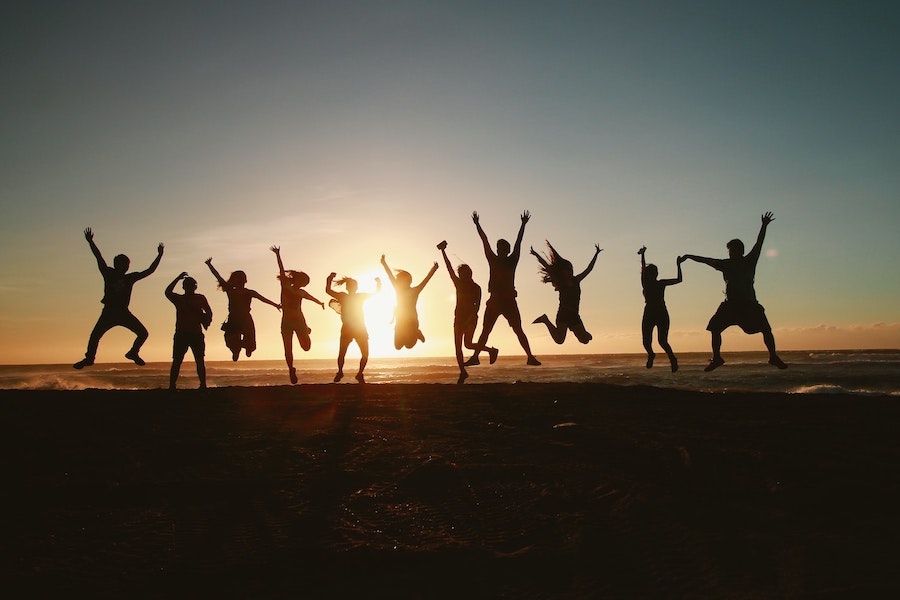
(341, 131)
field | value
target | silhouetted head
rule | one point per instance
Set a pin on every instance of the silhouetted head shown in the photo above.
(465, 272)
(189, 284)
(295, 278)
(121, 263)
(649, 273)
(502, 247)
(349, 283)
(735, 248)
(558, 270)
(403, 278)
(237, 279)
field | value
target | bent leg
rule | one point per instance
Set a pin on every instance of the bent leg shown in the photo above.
(769, 340)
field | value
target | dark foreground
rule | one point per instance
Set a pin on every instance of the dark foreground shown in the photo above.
(419, 491)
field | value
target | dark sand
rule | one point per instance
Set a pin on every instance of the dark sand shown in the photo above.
(409, 491)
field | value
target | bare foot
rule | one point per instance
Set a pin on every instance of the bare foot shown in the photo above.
(714, 363)
(775, 361)
(133, 356)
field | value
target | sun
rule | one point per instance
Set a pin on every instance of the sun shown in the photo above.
(379, 311)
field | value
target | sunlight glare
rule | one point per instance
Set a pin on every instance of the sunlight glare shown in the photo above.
(379, 310)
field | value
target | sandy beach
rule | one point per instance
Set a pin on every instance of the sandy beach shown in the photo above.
(419, 491)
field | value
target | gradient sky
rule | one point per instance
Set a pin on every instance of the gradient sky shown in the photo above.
(344, 130)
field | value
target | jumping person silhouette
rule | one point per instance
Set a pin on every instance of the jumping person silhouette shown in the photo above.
(406, 318)
(740, 306)
(192, 316)
(240, 331)
(655, 312)
(117, 286)
(292, 320)
(559, 272)
(349, 305)
(502, 290)
(465, 316)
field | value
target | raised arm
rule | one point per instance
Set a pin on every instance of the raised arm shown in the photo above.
(387, 269)
(89, 236)
(428, 277)
(277, 252)
(484, 240)
(539, 258)
(149, 270)
(643, 261)
(453, 276)
(677, 279)
(517, 248)
(766, 218)
(590, 267)
(170, 289)
(328, 288)
(222, 283)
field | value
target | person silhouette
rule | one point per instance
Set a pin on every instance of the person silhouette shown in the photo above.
(117, 287)
(292, 320)
(655, 312)
(239, 328)
(502, 290)
(465, 315)
(349, 305)
(406, 318)
(559, 272)
(740, 306)
(192, 316)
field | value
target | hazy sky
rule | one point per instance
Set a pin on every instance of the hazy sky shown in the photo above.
(344, 130)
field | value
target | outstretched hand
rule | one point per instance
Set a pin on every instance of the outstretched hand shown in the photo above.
(642, 250)
(597, 249)
(768, 217)
(208, 261)
(533, 252)
(88, 234)
(275, 249)
(525, 217)
(475, 217)
(159, 249)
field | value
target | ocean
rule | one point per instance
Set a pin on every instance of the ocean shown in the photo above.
(841, 371)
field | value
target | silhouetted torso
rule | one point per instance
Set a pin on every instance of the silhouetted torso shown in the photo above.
(569, 298)
(739, 274)
(468, 298)
(503, 275)
(117, 288)
(189, 311)
(654, 293)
